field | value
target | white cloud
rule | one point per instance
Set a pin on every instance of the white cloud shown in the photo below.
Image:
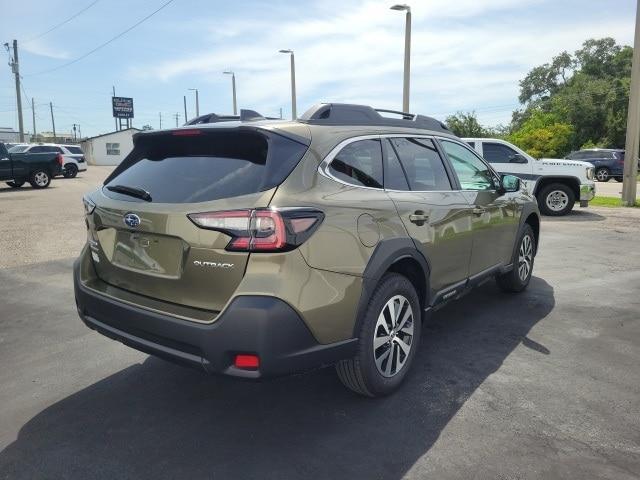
(44, 49)
(462, 58)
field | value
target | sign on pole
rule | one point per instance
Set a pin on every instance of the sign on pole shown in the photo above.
(122, 107)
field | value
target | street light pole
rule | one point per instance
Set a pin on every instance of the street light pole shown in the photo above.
(184, 98)
(197, 101)
(629, 185)
(407, 55)
(233, 87)
(294, 114)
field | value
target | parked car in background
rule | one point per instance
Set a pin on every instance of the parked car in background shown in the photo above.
(73, 152)
(556, 183)
(608, 162)
(266, 247)
(38, 169)
(73, 156)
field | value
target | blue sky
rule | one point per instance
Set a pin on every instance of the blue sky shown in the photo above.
(466, 54)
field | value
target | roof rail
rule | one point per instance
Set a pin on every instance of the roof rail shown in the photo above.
(245, 116)
(349, 114)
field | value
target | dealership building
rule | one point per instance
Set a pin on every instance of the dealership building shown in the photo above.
(109, 148)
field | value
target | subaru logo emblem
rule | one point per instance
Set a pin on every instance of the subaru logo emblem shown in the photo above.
(131, 220)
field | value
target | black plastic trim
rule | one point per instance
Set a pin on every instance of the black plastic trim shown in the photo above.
(261, 325)
(386, 253)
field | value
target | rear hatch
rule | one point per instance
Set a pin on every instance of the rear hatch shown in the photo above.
(143, 238)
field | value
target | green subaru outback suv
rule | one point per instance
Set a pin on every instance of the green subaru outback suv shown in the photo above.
(257, 248)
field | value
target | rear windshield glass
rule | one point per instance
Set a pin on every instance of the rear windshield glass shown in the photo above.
(205, 167)
(75, 150)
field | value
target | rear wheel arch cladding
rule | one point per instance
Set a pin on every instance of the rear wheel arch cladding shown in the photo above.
(388, 256)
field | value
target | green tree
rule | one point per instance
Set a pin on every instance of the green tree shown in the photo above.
(588, 91)
(543, 135)
(465, 125)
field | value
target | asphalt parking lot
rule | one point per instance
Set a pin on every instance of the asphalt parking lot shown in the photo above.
(544, 384)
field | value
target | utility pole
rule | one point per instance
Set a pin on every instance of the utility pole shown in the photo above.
(629, 185)
(15, 68)
(53, 121)
(233, 88)
(160, 114)
(293, 83)
(177, 117)
(79, 132)
(184, 97)
(33, 116)
(75, 137)
(197, 101)
(280, 113)
(115, 119)
(407, 54)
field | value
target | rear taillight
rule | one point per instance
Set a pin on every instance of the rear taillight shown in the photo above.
(60, 159)
(262, 230)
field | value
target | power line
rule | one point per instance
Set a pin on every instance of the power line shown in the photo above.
(105, 43)
(62, 23)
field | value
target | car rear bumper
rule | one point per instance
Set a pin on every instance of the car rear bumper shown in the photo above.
(258, 325)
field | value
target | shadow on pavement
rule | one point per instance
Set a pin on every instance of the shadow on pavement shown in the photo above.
(576, 215)
(156, 420)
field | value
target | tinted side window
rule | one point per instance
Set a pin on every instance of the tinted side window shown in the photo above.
(497, 152)
(472, 172)
(394, 176)
(472, 145)
(359, 163)
(422, 164)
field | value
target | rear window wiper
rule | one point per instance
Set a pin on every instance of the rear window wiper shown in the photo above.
(131, 191)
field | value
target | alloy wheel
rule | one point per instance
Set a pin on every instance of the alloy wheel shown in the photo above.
(602, 175)
(41, 179)
(393, 336)
(525, 258)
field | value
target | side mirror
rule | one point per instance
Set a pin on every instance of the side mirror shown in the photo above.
(518, 158)
(509, 183)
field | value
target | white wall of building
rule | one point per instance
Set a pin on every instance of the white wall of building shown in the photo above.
(110, 148)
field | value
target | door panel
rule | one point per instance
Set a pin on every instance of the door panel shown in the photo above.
(494, 222)
(437, 218)
(445, 237)
(494, 218)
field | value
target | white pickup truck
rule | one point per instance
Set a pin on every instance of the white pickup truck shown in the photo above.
(556, 183)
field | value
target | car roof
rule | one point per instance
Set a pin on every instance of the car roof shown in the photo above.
(337, 119)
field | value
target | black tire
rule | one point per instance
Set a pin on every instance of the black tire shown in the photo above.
(70, 171)
(40, 179)
(619, 179)
(360, 373)
(15, 183)
(513, 281)
(556, 191)
(603, 174)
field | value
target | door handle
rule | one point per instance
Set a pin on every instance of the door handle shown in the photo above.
(479, 210)
(418, 217)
